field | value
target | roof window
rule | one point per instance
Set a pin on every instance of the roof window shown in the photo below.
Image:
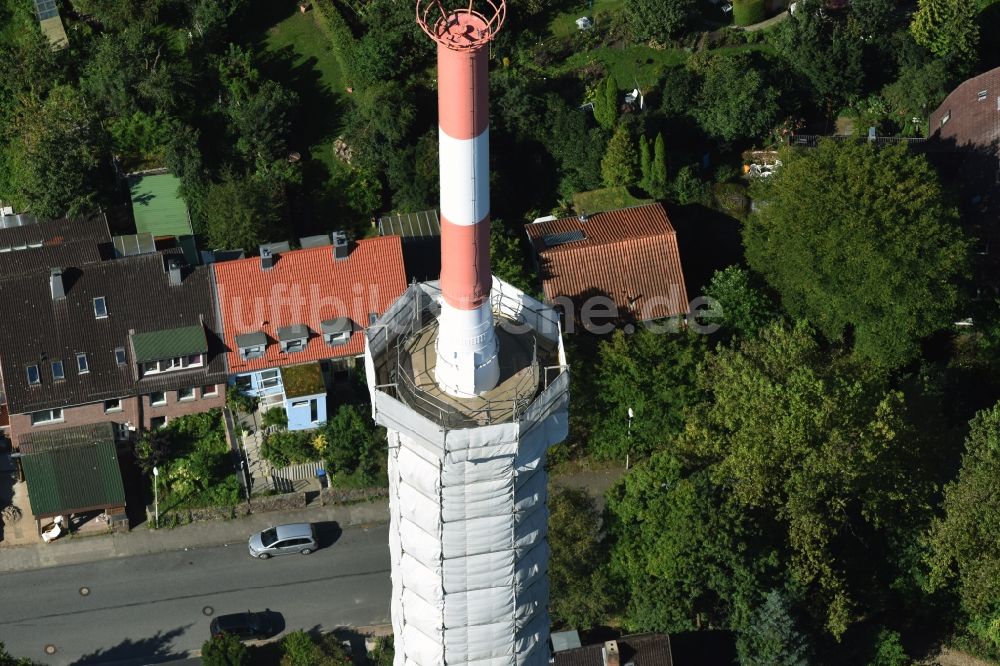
(100, 308)
(945, 118)
(81, 363)
(33, 376)
(58, 372)
(120, 356)
(982, 95)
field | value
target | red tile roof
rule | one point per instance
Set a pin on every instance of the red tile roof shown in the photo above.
(307, 287)
(973, 120)
(630, 255)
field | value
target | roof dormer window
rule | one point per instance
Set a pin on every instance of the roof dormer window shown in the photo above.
(337, 331)
(251, 345)
(293, 338)
(100, 308)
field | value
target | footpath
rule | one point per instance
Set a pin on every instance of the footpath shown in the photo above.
(144, 541)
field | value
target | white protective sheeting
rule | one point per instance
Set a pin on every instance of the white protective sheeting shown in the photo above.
(468, 516)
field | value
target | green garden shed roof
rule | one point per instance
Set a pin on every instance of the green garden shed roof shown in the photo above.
(158, 206)
(170, 343)
(303, 380)
(72, 470)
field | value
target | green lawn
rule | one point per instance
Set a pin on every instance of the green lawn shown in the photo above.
(564, 24)
(611, 198)
(300, 33)
(628, 64)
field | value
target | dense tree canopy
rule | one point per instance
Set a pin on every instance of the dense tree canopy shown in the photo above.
(652, 372)
(965, 542)
(576, 559)
(735, 100)
(819, 448)
(862, 242)
(658, 19)
(55, 148)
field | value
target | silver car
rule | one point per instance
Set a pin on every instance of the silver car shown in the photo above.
(283, 540)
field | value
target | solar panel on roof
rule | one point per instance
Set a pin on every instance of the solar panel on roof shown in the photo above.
(554, 240)
(46, 9)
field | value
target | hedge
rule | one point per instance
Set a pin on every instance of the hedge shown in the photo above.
(748, 12)
(332, 22)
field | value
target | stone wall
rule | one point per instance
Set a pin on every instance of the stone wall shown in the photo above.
(267, 503)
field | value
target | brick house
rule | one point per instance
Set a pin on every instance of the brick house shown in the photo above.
(131, 340)
(293, 320)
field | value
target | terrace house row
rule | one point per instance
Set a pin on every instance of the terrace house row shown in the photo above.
(96, 329)
(91, 336)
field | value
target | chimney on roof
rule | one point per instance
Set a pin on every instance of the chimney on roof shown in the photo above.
(266, 259)
(611, 655)
(174, 272)
(56, 284)
(341, 248)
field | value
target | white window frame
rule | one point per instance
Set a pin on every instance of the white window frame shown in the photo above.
(104, 306)
(158, 403)
(185, 398)
(124, 357)
(173, 364)
(54, 416)
(112, 410)
(82, 368)
(249, 353)
(212, 392)
(982, 95)
(62, 370)
(271, 381)
(294, 346)
(301, 403)
(38, 375)
(342, 338)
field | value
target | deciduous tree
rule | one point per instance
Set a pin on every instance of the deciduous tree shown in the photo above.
(735, 100)
(652, 372)
(965, 542)
(55, 150)
(577, 559)
(820, 449)
(947, 28)
(739, 307)
(239, 213)
(861, 241)
(661, 20)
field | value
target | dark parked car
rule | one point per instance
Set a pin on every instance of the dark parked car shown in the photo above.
(246, 626)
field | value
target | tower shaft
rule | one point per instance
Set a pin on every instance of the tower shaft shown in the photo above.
(467, 345)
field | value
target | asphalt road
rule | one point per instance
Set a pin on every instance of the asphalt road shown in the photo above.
(155, 606)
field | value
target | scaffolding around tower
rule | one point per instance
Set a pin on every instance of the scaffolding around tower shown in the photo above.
(467, 484)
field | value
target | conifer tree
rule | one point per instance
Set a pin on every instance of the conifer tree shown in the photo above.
(645, 164)
(606, 104)
(620, 162)
(658, 168)
(770, 638)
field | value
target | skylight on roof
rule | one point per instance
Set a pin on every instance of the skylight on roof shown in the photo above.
(100, 308)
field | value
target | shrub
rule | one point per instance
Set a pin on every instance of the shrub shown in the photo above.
(748, 12)
(285, 447)
(298, 649)
(731, 199)
(889, 650)
(224, 650)
(238, 401)
(276, 416)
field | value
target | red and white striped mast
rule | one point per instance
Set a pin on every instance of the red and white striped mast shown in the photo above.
(467, 362)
